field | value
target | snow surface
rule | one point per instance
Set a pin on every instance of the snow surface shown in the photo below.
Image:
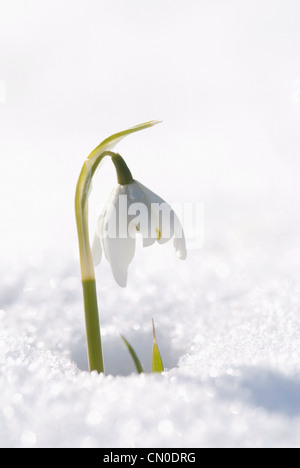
(227, 318)
(228, 329)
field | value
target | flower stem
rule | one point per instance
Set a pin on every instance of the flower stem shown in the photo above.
(123, 173)
(89, 167)
(93, 335)
(92, 326)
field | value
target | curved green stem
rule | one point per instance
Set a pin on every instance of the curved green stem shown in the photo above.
(90, 165)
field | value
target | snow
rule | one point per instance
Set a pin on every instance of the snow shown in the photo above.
(227, 326)
(227, 318)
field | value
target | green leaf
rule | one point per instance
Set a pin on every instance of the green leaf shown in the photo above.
(157, 364)
(112, 141)
(136, 360)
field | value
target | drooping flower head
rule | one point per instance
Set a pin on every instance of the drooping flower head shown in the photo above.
(133, 209)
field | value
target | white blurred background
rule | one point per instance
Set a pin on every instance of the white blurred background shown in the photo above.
(224, 76)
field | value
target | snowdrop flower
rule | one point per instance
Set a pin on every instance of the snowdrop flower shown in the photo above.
(116, 230)
(134, 209)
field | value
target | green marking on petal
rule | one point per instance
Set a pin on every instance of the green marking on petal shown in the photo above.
(158, 233)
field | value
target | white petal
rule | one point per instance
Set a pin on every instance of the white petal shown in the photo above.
(165, 230)
(161, 216)
(147, 241)
(179, 239)
(180, 248)
(119, 253)
(166, 222)
(96, 244)
(149, 195)
(96, 250)
(118, 247)
(137, 200)
(135, 194)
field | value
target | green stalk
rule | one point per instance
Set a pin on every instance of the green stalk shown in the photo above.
(90, 165)
(92, 326)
